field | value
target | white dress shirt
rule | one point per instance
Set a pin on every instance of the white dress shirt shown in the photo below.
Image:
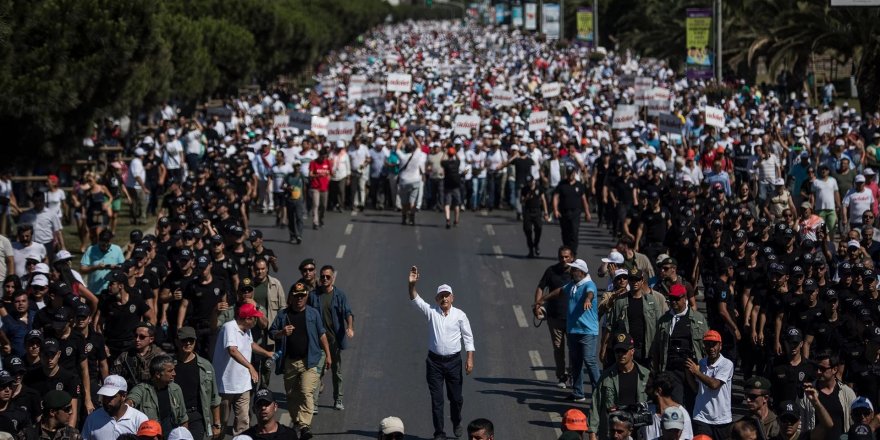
(101, 426)
(447, 331)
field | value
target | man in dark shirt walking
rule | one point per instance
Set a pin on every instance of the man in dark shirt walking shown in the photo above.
(555, 310)
(569, 203)
(267, 427)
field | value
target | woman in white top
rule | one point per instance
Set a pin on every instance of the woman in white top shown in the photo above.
(56, 199)
(8, 205)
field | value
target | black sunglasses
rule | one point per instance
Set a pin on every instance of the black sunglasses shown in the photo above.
(754, 396)
(307, 269)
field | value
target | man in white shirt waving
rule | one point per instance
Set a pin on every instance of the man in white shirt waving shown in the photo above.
(449, 327)
(714, 376)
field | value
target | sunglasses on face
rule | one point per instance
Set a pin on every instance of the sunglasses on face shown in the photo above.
(140, 336)
(326, 277)
(188, 341)
(822, 369)
(754, 397)
(308, 269)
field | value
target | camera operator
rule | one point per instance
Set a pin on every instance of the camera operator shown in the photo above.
(621, 426)
(661, 387)
(621, 386)
(714, 376)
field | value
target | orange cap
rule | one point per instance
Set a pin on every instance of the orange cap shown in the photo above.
(150, 428)
(702, 437)
(574, 420)
(712, 336)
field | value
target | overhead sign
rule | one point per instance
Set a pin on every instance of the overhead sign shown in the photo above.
(698, 30)
(465, 123)
(624, 116)
(669, 123)
(551, 90)
(340, 131)
(826, 122)
(399, 82)
(502, 97)
(714, 116)
(301, 120)
(539, 121)
(531, 16)
(319, 125)
(280, 121)
(551, 20)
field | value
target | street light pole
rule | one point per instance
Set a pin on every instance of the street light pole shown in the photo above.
(719, 42)
(595, 24)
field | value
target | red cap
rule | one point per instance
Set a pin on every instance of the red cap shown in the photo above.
(150, 428)
(248, 310)
(712, 336)
(677, 291)
(53, 178)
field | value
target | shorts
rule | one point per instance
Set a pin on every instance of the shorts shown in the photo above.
(116, 205)
(452, 197)
(409, 192)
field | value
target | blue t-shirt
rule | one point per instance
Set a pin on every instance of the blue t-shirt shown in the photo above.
(580, 321)
(94, 256)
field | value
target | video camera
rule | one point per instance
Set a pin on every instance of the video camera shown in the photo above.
(638, 414)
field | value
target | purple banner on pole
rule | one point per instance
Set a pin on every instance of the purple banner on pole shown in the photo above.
(700, 58)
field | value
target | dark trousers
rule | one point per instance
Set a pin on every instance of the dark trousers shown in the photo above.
(717, 432)
(570, 223)
(557, 336)
(494, 184)
(440, 370)
(196, 424)
(378, 192)
(532, 223)
(337, 194)
(296, 216)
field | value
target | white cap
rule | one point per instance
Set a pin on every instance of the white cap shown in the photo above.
(839, 143)
(239, 437)
(779, 181)
(40, 280)
(673, 418)
(514, 148)
(860, 179)
(149, 140)
(798, 131)
(620, 272)
(113, 384)
(172, 132)
(444, 288)
(614, 257)
(853, 243)
(181, 433)
(139, 152)
(580, 265)
(41, 268)
(63, 254)
(869, 172)
(390, 425)
(340, 144)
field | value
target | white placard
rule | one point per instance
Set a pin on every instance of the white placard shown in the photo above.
(340, 131)
(281, 121)
(301, 120)
(551, 90)
(826, 122)
(643, 87)
(502, 97)
(465, 123)
(357, 80)
(319, 125)
(391, 59)
(328, 85)
(624, 116)
(399, 82)
(539, 121)
(657, 106)
(714, 116)
(661, 94)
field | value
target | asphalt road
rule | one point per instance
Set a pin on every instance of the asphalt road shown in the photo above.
(384, 368)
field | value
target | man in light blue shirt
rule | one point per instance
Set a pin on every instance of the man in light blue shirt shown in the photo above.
(99, 259)
(582, 327)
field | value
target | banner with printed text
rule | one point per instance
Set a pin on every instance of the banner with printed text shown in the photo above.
(698, 26)
(502, 97)
(714, 116)
(399, 82)
(340, 131)
(826, 122)
(300, 120)
(551, 18)
(539, 121)
(500, 12)
(465, 123)
(516, 15)
(531, 19)
(319, 125)
(624, 116)
(585, 25)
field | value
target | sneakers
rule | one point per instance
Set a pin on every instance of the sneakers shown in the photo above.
(574, 398)
(457, 431)
(305, 433)
(338, 405)
(439, 436)
(562, 384)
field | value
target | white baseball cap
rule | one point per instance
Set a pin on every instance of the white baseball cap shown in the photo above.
(614, 257)
(580, 265)
(40, 280)
(444, 288)
(673, 418)
(113, 384)
(63, 254)
(390, 425)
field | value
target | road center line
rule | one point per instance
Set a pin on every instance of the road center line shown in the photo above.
(490, 230)
(557, 421)
(497, 250)
(341, 251)
(520, 316)
(354, 213)
(540, 374)
(418, 239)
(508, 281)
(348, 229)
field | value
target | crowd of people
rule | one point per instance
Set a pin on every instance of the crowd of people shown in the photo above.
(746, 248)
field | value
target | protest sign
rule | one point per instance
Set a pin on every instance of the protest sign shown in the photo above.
(714, 116)
(669, 123)
(399, 82)
(319, 125)
(340, 131)
(826, 122)
(223, 113)
(300, 120)
(280, 121)
(551, 90)
(502, 97)
(539, 121)
(624, 117)
(357, 80)
(465, 123)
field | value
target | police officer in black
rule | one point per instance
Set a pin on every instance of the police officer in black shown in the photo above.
(569, 203)
(534, 207)
(721, 308)
(656, 222)
(203, 299)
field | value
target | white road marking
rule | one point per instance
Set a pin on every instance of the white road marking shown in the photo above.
(354, 213)
(508, 281)
(540, 374)
(418, 239)
(556, 419)
(497, 250)
(520, 316)
(341, 251)
(348, 229)
(490, 230)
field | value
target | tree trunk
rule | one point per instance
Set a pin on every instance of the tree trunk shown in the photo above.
(868, 78)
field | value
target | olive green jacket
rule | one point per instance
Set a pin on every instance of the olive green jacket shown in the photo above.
(145, 399)
(607, 397)
(660, 347)
(654, 306)
(208, 395)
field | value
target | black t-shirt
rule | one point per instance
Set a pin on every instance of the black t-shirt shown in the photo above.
(628, 387)
(265, 254)
(570, 195)
(244, 261)
(554, 277)
(95, 353)
(72, 352)
(203, 299)
(451, 175)
(786, 380)
(225, 270)
(635, 316)
(283, 433)
(298, 341)
(27, 400)
(656, 225)
(718, 293)
(531, 199)
(831, 402)
(523, 168)
(165, 415)
(120, 320)
(623, 190)
(188, 379)
(63, 381)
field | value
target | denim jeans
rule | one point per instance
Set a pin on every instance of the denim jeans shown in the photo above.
(478, 194)
(583, 349)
